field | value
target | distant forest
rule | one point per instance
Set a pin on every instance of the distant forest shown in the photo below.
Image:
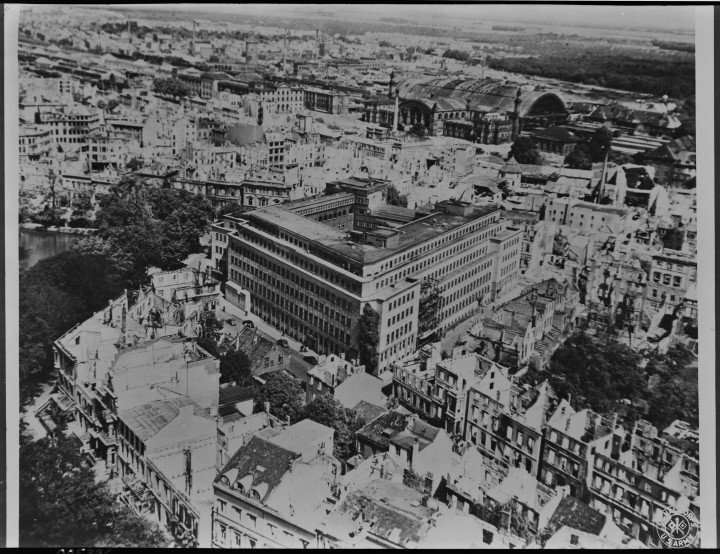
(644, 72)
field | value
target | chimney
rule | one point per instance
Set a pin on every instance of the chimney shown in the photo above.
(192, 46)
(317, 34)
(213, 411)
(266, 405)
(284, 65)
(415, 451)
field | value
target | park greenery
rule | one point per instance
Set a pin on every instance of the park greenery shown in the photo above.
(63, 505)
(138, 228)
(605, 376)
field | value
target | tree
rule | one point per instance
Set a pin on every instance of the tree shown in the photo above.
(171, 87)
(210, 346)
(394, 198)
(228, 208)
(113, 103)
(428, 307)
(369, 338)
(525, 151)
(578, 159)
(596, 375)
(456, 54)
(674, 239)
(329, 412)
(595, 149)
(285, 395)
(134, 164)
(235, 366)
(210, 325)
(62, 505)
(55, 294)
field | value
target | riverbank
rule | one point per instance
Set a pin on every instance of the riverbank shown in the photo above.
(53, 229)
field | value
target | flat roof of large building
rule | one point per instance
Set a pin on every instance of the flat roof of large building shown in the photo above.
(411, 234)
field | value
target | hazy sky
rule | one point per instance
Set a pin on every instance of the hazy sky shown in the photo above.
(663, 17)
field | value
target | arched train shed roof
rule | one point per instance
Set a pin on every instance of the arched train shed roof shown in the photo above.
(485, 95)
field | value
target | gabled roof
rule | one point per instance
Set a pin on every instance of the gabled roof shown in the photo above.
(266, 463)
(383, 428)
(511, 166)
(235, 394)
(368, 412)
(578, 515)
(361, 386)
(255, 345)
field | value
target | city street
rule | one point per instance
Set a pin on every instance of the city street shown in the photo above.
(298, 366)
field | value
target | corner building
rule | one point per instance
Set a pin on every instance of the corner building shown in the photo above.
(313, 280)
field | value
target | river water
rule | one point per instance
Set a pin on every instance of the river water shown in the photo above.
(37, 245)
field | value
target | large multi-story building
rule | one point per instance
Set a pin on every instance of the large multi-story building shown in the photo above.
(671, 274)
(531, 226)
(570, 440)
(276, 489)
(327, 101)
(35, 142)
(314, 280)
(634, 478)
(71, 125)
(674, 162)
(484, 111)
(505, 421)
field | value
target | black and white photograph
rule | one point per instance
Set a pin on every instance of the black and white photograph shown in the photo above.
(311, 276)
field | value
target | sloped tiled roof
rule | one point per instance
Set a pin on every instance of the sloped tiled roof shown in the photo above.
(264, 461)
(367, 411)
(358, 387)
(394, 422)
(578, 515)
(232, 395)
(256, 350)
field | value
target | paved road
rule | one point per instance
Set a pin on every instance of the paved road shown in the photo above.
(298, 366)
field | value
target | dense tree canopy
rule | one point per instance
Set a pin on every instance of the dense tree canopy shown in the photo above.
(63, 506)
(525, 151)
(285, 395)
(171, 87)
(394, 198)
(456, 54)
(55, 294)
(666, 73)
(369, 338)
(235, 367)
(596, 375)
(328, 411)
(593, 150)
(673, 388)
